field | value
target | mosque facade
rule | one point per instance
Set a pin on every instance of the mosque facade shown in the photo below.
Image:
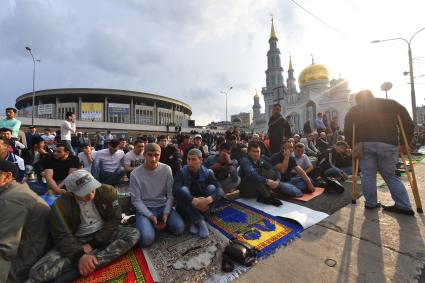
(317, 93)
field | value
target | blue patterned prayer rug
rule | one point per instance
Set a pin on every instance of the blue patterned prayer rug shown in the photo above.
(252, 226)
(49, 199)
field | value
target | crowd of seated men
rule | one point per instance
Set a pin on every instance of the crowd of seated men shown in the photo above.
(173, 183)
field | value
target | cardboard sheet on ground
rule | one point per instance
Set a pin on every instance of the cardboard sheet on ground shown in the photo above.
(306, 197)
(306, 217)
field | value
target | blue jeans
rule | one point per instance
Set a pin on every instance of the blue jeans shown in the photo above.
(296, 187)
(382, 157)
(185, 197)
(175, 225)
(111, 178)
(38, 187)
(336, 172)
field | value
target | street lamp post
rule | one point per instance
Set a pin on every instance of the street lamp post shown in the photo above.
(386, 87)
(226, 93)
(412, 79)
(33, 85)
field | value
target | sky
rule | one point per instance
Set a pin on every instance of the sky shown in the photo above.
(192, 50)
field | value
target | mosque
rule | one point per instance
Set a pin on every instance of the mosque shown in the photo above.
(317, 93)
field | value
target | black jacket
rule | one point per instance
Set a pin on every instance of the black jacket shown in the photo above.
(376, 121)
(278, 128)
(170, 157)
(330, 158)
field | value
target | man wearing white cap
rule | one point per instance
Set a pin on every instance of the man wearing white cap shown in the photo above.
(85, 225)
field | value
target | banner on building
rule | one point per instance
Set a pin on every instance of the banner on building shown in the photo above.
(92, 111)
(45, 109)
(118, 109)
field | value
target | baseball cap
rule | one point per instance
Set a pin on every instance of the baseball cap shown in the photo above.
(198, 136)
(81, 183)
(7, 166)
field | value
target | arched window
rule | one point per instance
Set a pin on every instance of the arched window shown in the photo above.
(295, 121)
(331, 112)
(311, 112)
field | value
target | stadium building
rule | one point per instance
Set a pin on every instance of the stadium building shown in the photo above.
(101, 109)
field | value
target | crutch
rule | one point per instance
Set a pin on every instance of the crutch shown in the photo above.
(355, 166)
(411, 177)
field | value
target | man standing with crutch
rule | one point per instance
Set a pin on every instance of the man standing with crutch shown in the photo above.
(376, 127)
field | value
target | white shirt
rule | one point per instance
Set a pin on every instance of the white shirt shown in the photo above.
(49, 138)
(132, 159)
(67, 128)
(110, 162)
(20, 162)
(83, 158)
(304, 162)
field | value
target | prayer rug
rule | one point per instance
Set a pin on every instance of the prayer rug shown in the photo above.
(305, 197)
(188, 258)
(49, 199)
(129, 268)
(249, 225)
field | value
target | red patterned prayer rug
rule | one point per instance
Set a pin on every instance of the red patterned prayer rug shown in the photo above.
(129, 268)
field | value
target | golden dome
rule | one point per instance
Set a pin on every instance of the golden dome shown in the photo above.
(314, 72)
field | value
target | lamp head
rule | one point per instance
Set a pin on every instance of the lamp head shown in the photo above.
(27, 48)
(375, 41)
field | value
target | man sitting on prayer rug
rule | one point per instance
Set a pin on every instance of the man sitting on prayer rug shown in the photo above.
(151, 187)
(258, 177)
(225, 169)
(336, 162)
(85, 225)
(285, 162)
(196, 189)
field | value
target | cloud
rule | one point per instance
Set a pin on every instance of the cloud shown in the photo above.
(118, 50)
(188, 50)
(38, 24)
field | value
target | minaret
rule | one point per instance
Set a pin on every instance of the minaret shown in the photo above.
(256, 108)
(275, 90)
(274, 70)
(290, 81)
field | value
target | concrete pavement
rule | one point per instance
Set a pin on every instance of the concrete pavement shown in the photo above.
(353, 245)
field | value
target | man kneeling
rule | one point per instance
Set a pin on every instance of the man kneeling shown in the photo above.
(85, 225)
(196, 189)
(151, 186)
